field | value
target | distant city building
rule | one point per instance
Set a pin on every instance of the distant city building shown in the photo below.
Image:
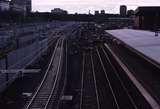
(58, 11)
(102, 11)
(123, 10)
(4, 5)
(130, 13)
(21, 6)
(147, 18)
(96, 13)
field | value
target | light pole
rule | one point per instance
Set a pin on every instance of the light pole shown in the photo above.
(156, 24)
(6, 67)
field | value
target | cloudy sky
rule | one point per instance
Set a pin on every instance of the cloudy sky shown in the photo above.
(83, 6)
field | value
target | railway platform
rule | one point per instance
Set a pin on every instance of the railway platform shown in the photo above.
(143, 42)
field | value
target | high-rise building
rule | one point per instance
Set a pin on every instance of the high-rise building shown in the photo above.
(123, 10)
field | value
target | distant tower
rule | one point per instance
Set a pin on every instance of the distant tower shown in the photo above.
(123, 10)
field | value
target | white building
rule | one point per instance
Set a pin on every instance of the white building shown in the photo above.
(4, 5)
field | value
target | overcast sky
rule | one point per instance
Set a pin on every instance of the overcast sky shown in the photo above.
(83, 6)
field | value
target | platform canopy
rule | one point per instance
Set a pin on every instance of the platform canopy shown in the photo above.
(145, 42)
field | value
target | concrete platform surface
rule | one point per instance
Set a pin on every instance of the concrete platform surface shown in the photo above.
(143, 41)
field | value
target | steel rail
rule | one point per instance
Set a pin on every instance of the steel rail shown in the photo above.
(44, 78)
(125, 89)
(95, 82)
(56, 79)
(109, 83)
(65, 81)
(82, 81)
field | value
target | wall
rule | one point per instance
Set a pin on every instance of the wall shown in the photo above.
(147, 22)
(4, 6)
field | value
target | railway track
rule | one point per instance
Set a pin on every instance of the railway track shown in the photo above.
(103, 85)
(63, 81)
(89, 95)
(45, 96)
(120, 98)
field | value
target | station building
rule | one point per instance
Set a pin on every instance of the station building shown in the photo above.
(147, 18)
